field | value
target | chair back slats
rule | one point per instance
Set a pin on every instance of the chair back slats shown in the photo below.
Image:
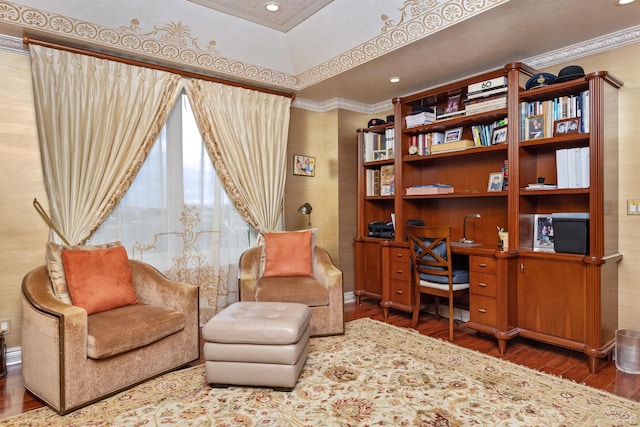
(430, 251)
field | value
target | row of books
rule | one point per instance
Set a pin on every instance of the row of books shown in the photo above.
(379, 146)
(538, 118)
(424, 141)
(484, 136)
(380, 182)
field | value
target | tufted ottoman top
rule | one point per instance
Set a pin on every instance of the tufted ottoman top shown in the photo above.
(258, 323)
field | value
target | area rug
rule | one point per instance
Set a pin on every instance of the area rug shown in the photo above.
(376, 374)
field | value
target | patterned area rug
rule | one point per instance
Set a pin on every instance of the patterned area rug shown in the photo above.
(376, 374)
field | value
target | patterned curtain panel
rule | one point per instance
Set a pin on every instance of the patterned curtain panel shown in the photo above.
(97, 120)
(177, 217)
(245, 133)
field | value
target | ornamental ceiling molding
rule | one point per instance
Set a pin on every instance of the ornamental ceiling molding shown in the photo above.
(174, 43)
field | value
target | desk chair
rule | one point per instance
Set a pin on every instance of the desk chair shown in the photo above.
(432, 272)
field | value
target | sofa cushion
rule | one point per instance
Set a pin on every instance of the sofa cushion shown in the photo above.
(288, 254)
(56, 268)
(304, 290)
(126, 328)
(99, 280)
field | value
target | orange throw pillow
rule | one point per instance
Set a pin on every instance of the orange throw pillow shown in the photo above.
(99, 280)
(288, 254)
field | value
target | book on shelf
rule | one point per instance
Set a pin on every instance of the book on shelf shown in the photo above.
(462, 144)
(451, 115)
(486, 85)
(486, 105)
(387, 180)
(422, 190)
(537, 186)
(487, 93)
(419, 119)
(372, 182)
(558, 108)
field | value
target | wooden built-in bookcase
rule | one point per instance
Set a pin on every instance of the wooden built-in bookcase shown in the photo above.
(566, 299)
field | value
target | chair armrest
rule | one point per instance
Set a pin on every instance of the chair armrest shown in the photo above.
(152, 287)
(249, 272)
(325, 271)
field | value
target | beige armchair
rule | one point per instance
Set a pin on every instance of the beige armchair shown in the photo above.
(70, 359)
(323, 292)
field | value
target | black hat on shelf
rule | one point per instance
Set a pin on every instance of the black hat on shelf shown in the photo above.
(570, 72)
(539, 80)
(375, 122)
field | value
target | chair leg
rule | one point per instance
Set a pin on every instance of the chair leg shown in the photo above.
(451, 321)
(416, 311)
(436, 300)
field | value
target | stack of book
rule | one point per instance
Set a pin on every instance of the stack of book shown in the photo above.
(486, 96)
(423, 190)
(462, 144)
(419, 119)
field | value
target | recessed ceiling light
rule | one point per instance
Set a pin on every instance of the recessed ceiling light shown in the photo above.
(394, 79)
(623, 2)
(272, 6)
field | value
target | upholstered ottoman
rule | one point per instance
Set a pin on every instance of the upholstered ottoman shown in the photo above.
(257, 344)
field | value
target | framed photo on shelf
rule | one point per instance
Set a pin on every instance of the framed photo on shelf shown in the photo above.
(379, 154)
(453, 103)
(563, 127)
(496, 180)
(304, 165)
(535, 127)
(543, 233)
(499, 135)
(452, 135)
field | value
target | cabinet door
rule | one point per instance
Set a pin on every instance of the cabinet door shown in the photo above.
(551, 298)
(368, 272)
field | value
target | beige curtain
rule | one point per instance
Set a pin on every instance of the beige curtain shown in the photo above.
(97, 121)
(245, 133)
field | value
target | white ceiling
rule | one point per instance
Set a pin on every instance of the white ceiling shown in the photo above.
(343, 50)
(291, 13)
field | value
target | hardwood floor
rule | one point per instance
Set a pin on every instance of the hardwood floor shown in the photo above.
(14, 399)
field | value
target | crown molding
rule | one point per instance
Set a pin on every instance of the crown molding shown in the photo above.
(589, 47)
(586, 48)
(13, 45)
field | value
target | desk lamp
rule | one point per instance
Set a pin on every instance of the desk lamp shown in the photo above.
(464, 227)
(306, 210)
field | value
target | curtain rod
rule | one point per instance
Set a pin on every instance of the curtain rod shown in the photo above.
(27, 39)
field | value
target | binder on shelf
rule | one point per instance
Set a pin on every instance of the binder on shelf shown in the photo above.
(562, 164)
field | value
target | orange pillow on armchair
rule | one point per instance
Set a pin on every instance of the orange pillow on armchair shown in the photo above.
(288, 254)
(99, 280)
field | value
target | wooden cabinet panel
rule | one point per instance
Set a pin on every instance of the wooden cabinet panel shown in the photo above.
(368, 270)
(551, 298)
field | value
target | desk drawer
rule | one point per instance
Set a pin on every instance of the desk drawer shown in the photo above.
(400, 254)
(482, 264)
(400, 271)
(482, 284)
(401, 292)
(483, 310)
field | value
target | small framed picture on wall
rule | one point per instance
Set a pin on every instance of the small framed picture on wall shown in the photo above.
(304, 165)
